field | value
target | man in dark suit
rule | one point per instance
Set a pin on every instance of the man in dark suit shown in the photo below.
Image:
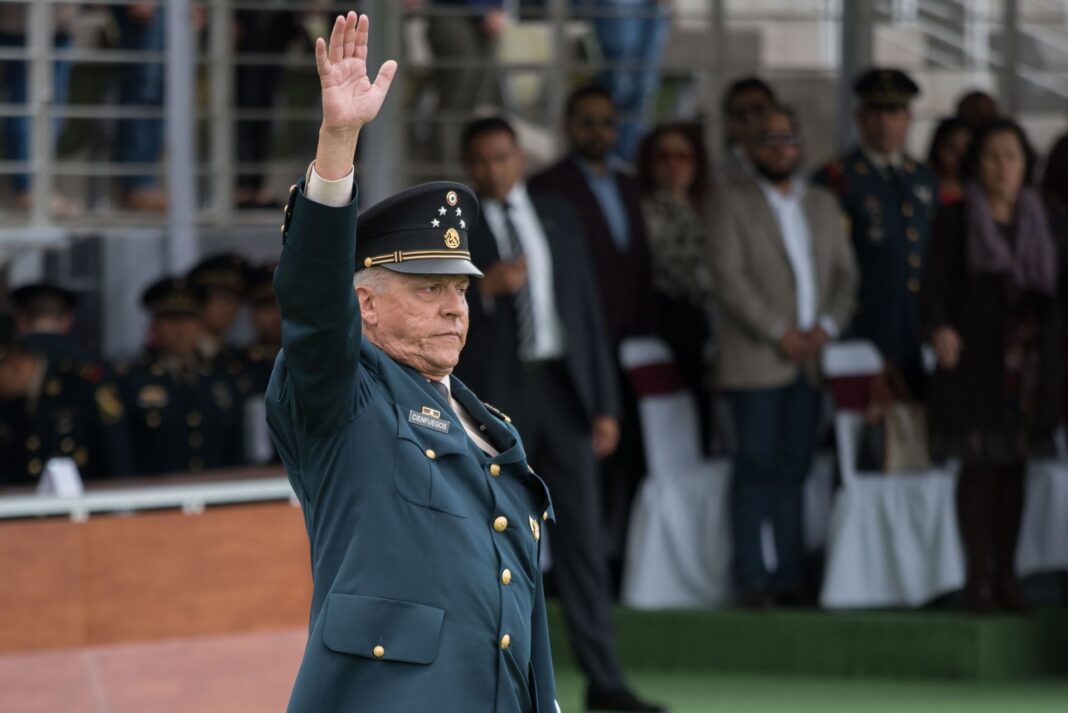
(539, 349)
(608, 203)
(423, 515)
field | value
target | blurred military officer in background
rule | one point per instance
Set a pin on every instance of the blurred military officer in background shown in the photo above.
(222, 278)
(57, 409)
(422, 512)
(890, 201)
(44, 317)
(267, 323)
(184, 415)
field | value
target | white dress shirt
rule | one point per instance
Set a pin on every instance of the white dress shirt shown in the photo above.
(789, 212)
(548, 331)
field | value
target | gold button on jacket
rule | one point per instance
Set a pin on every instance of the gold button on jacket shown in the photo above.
(379, 651)
(495, 470)
(506, 641)
(506, 576)
(500, 524)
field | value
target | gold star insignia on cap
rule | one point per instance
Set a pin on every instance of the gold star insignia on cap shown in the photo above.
(435, 223)
(442, 210)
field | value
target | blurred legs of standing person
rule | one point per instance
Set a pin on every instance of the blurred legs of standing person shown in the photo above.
(990, 502)
(470, 40)
(632, 33)
(16, 80)
(141, 85)
(776, 431)
(259, 32)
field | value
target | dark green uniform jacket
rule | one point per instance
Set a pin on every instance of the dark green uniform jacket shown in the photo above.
(427, 591)
(890, 225)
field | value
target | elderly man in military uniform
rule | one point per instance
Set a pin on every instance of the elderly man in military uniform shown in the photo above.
(184, 415)
(890, 202)
(423, 514)
(57, 409)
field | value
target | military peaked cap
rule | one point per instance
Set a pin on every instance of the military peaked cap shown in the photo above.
(885, 87)
(420, 231)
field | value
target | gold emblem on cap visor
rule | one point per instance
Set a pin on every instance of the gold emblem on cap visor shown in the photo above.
(452, 238)
(451, 198)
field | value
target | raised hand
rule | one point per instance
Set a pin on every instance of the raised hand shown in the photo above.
(350, 99)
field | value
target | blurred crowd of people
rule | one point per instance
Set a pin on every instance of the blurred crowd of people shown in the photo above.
(183, 405)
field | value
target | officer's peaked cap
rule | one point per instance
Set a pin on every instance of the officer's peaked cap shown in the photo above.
(421, 231)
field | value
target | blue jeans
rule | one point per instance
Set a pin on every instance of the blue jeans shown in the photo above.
(141, 84)
(17, 128)
(776, 431)
(632, 40)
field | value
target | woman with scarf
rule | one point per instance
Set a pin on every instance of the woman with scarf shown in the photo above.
(990, 309)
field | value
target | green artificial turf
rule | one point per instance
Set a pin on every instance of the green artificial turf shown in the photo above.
(755, 693)
(892, 644)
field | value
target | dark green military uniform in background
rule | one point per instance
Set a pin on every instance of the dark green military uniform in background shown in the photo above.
(67, 411)
(184, 412)
(890, 210)
(258, 358)
(425, 549)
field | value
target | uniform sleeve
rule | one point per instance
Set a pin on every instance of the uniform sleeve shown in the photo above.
(320, 315)
(845, 279)
(541, 655)
(111, 424)
(604, 369)
(941, 276)
(734, 292)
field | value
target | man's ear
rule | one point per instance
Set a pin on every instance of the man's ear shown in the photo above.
(366, 298)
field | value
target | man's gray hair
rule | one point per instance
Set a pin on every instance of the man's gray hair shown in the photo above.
(375, 278)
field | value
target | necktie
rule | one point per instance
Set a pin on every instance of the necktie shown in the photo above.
(440, 388)
(522, 300)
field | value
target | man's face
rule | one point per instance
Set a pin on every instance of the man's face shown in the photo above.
(220, 311)
(267, 321)
(495, 164)
(884, 128)
(594, 128)
(746, 112)
(776, 150)
(418, 320)
(176, 334)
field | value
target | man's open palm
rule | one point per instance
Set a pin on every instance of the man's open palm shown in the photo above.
(350, 99)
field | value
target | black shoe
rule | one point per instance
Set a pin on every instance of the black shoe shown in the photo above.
(756, 600)
(619, 700)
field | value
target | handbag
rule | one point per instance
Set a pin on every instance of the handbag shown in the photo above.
(893, 438)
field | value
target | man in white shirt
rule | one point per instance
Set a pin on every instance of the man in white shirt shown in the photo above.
(538, 348)
(785, 285)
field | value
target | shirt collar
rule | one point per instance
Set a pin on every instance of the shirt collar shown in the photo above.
(794, 195)
(883, 161)
(516, 197)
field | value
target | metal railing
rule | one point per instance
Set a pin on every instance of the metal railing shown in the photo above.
(203, 118)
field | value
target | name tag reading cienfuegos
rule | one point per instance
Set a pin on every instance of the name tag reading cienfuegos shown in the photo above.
(421, 419)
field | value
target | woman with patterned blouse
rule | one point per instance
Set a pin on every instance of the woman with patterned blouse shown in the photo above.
(673, 171)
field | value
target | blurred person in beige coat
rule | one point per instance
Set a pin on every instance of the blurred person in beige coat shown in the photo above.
(785, 282)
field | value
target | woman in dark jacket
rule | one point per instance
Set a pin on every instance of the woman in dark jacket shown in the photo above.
(1055, 194)
(990, 308)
